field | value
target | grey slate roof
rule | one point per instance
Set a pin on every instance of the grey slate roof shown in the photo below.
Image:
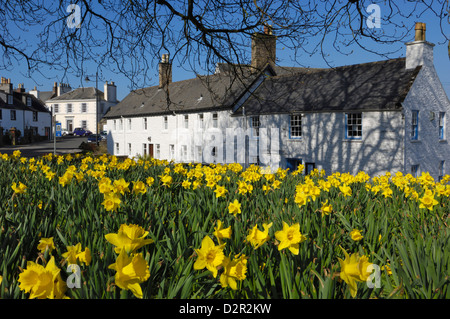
(19, 100)
(211, 92)
(377, 86)
(381, 85)
(84, 93)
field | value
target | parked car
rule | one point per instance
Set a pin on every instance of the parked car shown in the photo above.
(93, 138)
(64, 132)
(81, 132)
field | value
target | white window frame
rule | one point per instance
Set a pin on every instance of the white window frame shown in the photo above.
(145, 121)
(295, 122)
(69, 108)
(442, 125)
(201, 120)
(55, 108)
(158, 151)
(171, 151)
(165, 122)
(184, 152)
(117, 148)
(215, 120)
(255, 124)
(83, 107)
(415, 125)
(354, 128)
(144, 149)
(199, 153)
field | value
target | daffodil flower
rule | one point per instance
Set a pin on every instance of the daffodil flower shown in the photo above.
(209, 256)
(129, 238)
(290, 237)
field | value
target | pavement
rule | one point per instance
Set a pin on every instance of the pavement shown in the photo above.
(64, 145)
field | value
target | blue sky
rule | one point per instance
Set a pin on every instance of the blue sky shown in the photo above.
(284, 56)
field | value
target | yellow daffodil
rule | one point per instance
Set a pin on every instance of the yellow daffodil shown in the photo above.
(221, 233)
(150, 180)
(290, 237)
(121, 186)
(233, 270)
(129, 238)
(46, 243)
(355, 234)
(131, 271)
(186, 184)
(353, 269)
(220, 191)
(234, 207)
(346, 190)
(19, 189)
(209, 256)
(42, 282)
(75, 253)
(166, 180)
(326, 209)
(139, 188)
(428, 201)
(256, 237)
(111, 201)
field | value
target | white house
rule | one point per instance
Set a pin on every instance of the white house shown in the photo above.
(83, 107)
(23, 112)
(375, 117)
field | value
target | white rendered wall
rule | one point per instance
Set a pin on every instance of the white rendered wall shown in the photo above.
(323, 140)
(428, 97)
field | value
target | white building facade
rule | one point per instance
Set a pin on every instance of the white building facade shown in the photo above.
(83, 107)
(23, 112)
(405, 130)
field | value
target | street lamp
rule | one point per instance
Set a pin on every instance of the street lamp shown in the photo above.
(96, 105)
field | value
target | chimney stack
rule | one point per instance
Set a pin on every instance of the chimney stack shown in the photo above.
(110, 92)
(165, 71)
(6, 85)
(263, 49)
(420, 51)
(20, 88)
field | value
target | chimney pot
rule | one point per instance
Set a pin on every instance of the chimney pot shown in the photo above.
(420, 31)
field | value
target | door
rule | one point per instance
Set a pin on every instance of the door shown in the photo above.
(69, 124)
(150, 150)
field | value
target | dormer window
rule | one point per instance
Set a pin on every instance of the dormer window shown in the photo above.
(10, 99)
(28, 101)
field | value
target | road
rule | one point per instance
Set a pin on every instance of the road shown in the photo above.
(64, 145)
